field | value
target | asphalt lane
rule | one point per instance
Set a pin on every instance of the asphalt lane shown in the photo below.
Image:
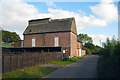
(84, 68)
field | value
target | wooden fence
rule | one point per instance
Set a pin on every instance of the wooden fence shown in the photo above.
(11, 61)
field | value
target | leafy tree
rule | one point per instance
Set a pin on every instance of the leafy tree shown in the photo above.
(109, 61)
(85, 38)
(8, 36)
(97, 49)
(88, 45)
(88, 51)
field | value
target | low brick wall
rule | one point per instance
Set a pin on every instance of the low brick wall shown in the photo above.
(13, 61)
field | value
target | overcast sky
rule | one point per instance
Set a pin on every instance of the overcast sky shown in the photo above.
(97, 19)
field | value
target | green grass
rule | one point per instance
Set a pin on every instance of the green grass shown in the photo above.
(29, 72)
(7, 45)
(66, 62)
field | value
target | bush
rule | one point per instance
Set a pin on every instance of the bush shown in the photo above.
(108, 64)
(88, 51)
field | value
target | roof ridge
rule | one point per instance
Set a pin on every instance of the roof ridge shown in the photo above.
(39, 19)
(64, 18)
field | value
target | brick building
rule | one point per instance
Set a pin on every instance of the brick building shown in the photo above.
(53, 33)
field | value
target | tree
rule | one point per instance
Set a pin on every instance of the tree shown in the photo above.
(97, 48)
(85, 38)
(91, 47)
(8, 36)
(109, 61)
(88, 44)
(88, 51)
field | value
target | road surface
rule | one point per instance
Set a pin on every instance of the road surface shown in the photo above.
(84, 68)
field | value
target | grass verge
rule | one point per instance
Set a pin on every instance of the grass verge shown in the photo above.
(29, 72)
(66, 62)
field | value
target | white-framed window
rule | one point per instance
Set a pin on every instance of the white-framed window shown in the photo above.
(56, 40)
(33, 42)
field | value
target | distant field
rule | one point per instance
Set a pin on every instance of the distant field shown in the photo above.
(7, 45)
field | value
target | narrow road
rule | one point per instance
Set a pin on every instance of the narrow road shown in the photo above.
(84, 68)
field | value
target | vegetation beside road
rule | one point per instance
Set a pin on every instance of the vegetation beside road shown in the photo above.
(29, 72)
(109, 60)
(88, 44)
(67, 61)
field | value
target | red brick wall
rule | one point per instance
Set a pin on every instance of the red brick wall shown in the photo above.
(79, 45)
(48, 39)
(64, 39)
(67, 40)
(73, 45)
(38, 40)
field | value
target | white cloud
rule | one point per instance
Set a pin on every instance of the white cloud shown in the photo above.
(108, 1)
(15, 16)
(51, 4)
(81, 21)
(106, 11)
(99, 38)
(11, 0)
(82, 13)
